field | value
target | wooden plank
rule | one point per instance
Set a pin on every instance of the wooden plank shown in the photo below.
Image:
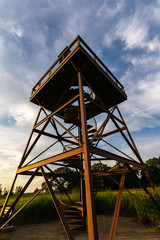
(49, 160)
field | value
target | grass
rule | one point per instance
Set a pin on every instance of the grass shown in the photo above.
(42, 209)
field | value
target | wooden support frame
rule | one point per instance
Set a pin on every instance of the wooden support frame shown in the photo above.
(84, 147)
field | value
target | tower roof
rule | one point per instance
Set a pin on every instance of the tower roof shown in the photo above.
(59, 82)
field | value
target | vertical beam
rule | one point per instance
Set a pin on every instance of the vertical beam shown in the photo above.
(82, 199)
(58, 208)
(91, 213)
(117, 208)
(82, 183)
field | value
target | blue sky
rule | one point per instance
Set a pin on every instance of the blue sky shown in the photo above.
(124, 34)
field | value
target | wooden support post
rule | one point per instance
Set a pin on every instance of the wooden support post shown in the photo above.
(91, 212)
(117, 208)
(58, 208)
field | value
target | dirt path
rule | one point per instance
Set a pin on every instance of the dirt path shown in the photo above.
(128, 228)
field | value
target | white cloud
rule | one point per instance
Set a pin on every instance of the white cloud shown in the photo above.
(23, 114)
(12, 27)
(144, 62)
(110, 8)
(132, 32)
(142, 107)
(154, 44)
(149, 147)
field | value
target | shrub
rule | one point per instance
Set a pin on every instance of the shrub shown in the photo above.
(147, 211)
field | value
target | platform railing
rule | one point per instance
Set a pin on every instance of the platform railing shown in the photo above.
(78, 41)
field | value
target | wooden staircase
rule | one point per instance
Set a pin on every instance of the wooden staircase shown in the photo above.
(74, 215)
(75, 218)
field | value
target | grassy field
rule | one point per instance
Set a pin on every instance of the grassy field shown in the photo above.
(41, 209)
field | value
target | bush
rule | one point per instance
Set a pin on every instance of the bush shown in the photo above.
(147, 211)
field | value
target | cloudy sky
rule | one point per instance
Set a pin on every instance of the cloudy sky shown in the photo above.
(124, 34)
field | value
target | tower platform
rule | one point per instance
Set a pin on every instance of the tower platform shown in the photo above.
(55, 83)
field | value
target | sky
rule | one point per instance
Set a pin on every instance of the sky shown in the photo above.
(124, 34)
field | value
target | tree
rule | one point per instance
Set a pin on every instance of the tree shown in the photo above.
(153, 168)
(0, 189)
(18, 190)
(36, 190)
(99, 167)
(65, 182)
(5, 192)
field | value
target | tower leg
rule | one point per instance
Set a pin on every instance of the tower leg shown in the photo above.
(58, 208)
(91, 212)
(117, 208)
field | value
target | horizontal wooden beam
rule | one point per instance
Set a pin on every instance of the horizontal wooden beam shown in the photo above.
(116, 157)
(49, 174)
(116, 171)
(52, 159)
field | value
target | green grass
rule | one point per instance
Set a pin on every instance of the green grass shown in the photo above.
(42, 209)
(105, 203)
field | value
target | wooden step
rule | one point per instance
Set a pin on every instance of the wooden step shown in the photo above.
(68, 212)
(79, 208)
(73, 216)
(92, 130)
(76, 223)
(79, 228)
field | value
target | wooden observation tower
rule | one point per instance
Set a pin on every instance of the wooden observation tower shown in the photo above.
(78, 98)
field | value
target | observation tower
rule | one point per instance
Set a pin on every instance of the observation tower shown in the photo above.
(78, 97)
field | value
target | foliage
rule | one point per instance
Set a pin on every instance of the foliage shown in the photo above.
(18, 190)
(42, 209)
(61, 183)
(36, 190)
(100, 167)
(147, 211)
(153, 167)
(0, 189)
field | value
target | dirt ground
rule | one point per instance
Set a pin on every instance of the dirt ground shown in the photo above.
(128, 228)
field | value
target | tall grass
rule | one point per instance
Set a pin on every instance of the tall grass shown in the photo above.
(42, 209)
(105, 203)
